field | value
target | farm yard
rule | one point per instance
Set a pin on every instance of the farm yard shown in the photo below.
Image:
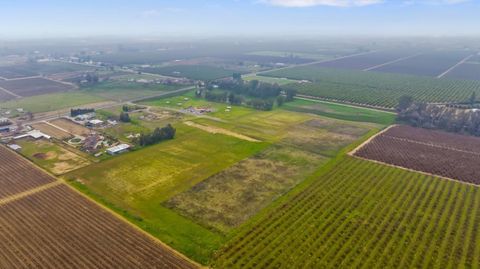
(51, 131)
(375, 88)
(55, 158)
(70, 127)
(436, 152)
(47, 224)
(360, 214)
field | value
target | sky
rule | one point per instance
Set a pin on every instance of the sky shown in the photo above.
(81, 18)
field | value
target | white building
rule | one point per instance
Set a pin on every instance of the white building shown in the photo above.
(35, 134)
(95, 123)
(118, 149)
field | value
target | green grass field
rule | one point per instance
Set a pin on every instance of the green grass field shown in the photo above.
(52, 102)
(339, 111)
(139, 181)
(373, 88)
(364, 215)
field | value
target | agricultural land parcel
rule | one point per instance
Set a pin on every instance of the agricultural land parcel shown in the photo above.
(437, 152)
(34, 86)
(360, 214)
(198, 72)
(137, 184)
(375, 88)
(46, 224)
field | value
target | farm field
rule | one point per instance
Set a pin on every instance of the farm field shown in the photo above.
(427, 64)
(49, 225)
(229, 198)
(34, 86)
(51, 156)
(437, 152)
(152, 186)
(197, 72)
(465, 71)
(375, 88)
(122, 90)
(137, 182)
(360, 214)
(368, 60)
(22, 176)
(339, 111)
(36, 69)
(51, 131)
(51, 102)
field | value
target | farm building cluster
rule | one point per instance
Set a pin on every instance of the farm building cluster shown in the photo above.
(80, 131)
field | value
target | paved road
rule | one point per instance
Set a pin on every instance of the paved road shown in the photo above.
(50, 117)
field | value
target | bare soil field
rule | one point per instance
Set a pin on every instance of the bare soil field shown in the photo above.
(71, 127)
(435, 152)
(51, 131)
(18, 175)
(51, 226)
(34, 86)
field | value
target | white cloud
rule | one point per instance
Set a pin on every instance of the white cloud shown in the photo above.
(311, 3)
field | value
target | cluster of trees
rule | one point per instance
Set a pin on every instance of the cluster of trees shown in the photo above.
(124, 117)
(158, 135)
(80, 111)
(443, 117)
(128, 108)
(253, 88)
(264, 95)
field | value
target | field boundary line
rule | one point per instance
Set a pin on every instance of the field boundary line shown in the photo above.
(352, 152)
(455, 66)
(123, 219)
(342, 103)
(218, 130)
(392, 62)
(27, 193)
(11, 93)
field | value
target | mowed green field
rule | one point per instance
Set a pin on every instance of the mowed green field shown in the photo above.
(340, 111)
(364, 215)
(374, 88)
(51, 102)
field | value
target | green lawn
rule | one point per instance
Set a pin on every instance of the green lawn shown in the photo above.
(52, 102)
(339, 111)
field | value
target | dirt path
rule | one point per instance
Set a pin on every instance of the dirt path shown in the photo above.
(28, 193)
(217, 130)
(11, 93)
(455, 66)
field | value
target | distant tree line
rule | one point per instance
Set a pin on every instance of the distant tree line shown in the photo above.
(451, 118)
(80, 111)
(158, 135)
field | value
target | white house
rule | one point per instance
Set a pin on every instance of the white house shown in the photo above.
(118, 149)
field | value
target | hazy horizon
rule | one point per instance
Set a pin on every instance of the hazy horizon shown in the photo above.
(271, 18)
